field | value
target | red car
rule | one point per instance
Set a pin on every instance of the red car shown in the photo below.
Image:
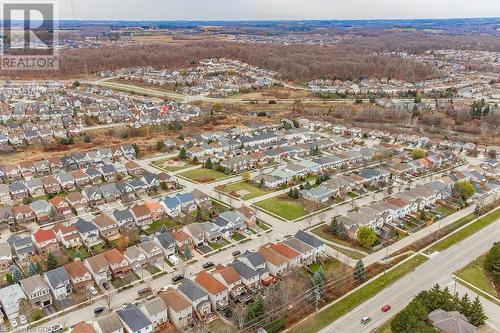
(386, 308)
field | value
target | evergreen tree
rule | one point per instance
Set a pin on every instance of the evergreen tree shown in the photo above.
(477, 317)
(465, 306)
(52, 262)
(208, 163)
(342, 231)
(359, 271)
(262, 183)
(317, 281)
(492, 262)
(257, 309)
(187, 252)
(182, 153)
(32, 269)
(16, 273)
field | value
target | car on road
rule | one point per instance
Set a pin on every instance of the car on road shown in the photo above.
(55, 328)
(236, 253)
(105, 285)
(208, 264)
(93, 291)
(144, 291)
(177, 278)
(386, 308)
(365, 320)
(23, 320)
(98, 310)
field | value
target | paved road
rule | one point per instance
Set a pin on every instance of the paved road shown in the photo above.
(437, 269)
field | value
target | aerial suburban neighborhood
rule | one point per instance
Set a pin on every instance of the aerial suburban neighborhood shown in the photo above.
(251, 176)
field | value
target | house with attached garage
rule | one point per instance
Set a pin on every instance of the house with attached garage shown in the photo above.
(66, 181)
(275, 263)
(81, 178)
(110, 192)
(249, 276)
(197, 297)
(68, 236)
(18, 190)
(290, 254)
(317, 245)
(180, 310)
(127, 192)
(257, 262)
(77, 202)
(98, 267)
(94, 176)
(306, 251)
(108, 228)
(248, 214)
(142, 215)
(43, 210)
(5, 257)
(59, 283)
(171, 205)
(108, 172)
(6, 217)
(5, 198)
(23, 214)
(79, 275)
(128, 151)
(51, 185)
(35, 187)
(230, 278)
(166, 242)
(94, 196)
(218, 293)
(61, 207)
(118, 264)
(157, 312)
(237, 223)
(153, 253)
(135, 257)
(37, 291)
(10, 300)
(110, 323)
(133, 320)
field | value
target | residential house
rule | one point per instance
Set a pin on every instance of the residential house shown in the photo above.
(94, 196)
(88, 232)
(6, 217)
(133, 168)
(155, 210)
(229, 277)
(68, 236)
(157, 312)
(317, 245)
(43, 210)
(81, 178)
(37, 291)
(61, 207)
(123, 218)
(18, 190)
(133, 320)
(79, 275)
(275, 263)
(197, 297)
(142, 215)
(248, 214)
(110, 192)
(35, 187)
(289, 253)
(59, 283)
(135, 257)
(5, 256)
(83, 327)
(22, 247)
(98, 267)
(23, 214)
(118, 264)
(217, 292)
(78, 202)
(10, 299)
(153, 253)
(45, 241)
(249, 276)
(108, 324)
(166, 242)
(180, 310)
(306, 251)
(66, 181)
(450, 322)
(108, 228)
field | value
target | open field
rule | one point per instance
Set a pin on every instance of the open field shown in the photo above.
(465, 232)
(320, 231)
(334, 312)
(475, 275)
(203, 175)
(245, 190)
(172, 165)
(288, 209)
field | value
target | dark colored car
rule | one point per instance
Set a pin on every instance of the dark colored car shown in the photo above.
(236, 253)
(144, 291)
(177, 278)
(98, 310)
(208, 264)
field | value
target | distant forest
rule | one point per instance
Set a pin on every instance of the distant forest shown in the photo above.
(353, 59)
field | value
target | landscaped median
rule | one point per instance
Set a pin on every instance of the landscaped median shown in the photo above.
(331, 313)
(465, 232)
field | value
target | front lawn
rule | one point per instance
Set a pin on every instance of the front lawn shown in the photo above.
(237, 237)
(246, 190)
(475, 275)
(289, 209)
(203, 175)
(352, 195)
(444, 210)
(465, 232)
(124, 281)
(215, 245)
(334, 312)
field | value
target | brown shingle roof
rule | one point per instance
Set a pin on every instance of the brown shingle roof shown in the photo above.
(209, 283)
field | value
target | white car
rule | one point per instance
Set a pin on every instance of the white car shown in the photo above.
(13, 323)
(22, 320)
(55, 328)
(93, 291)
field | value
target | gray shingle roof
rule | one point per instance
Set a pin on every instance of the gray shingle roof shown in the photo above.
(133, 317)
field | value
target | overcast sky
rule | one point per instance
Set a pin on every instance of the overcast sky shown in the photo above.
(274, 9)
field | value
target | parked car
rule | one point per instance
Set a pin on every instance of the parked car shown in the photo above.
(236, 253)
(177, 278)
(55, 328)
(105, 285)
(365, 320)
(93, 291)
(98, 310)
(23, 320)
(208, 264)
(144, 291)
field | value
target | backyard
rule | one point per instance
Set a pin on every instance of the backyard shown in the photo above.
(168, 222)
(245, 190)
(322, 232)
(203, 175)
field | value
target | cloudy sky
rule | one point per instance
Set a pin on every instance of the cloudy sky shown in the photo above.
(274, 9)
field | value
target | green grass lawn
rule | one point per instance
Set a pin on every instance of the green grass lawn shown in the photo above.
(203, 175)
(263, 225)
(352, 195)
(465, 232)
(332, 313)
(237, 237)
(172, 168)
(218, 325)
(475, 275)
(328, 236)
(288, 209)
(350, 254)
(253, 190)
(154, 227)
(445, 210)
(98, 248)
(215, 245)
(81, 253)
